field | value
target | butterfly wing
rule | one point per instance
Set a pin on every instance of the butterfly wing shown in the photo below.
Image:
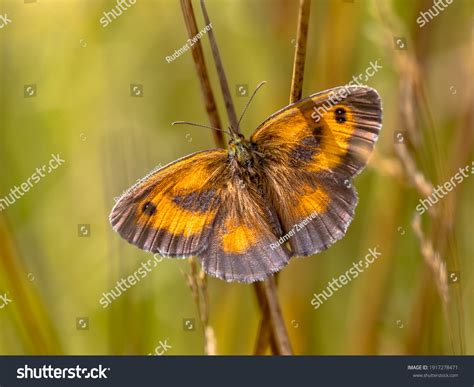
(171, 211)
(197, 206)
(244, 245)
(311, 150)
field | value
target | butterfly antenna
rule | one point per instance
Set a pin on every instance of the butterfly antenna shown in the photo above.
(199, 125)
(250, 100)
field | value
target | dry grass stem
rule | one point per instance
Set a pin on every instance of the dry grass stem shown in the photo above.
(220, 71)
(432, 260)
(197, 282)
(300, 51)
(203, 75)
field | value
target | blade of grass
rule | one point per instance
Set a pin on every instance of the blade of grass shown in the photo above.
(31, 315)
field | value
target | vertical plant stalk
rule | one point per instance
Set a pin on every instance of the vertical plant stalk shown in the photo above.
(197, 280)
(272, 327)
(265, 333)
(300, 51)
(296, 92)
(280, 335)
(203, 75)
(229, 105)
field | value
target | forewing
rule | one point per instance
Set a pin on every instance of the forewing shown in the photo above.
(310, 152)
(318, 135)
(171, 211)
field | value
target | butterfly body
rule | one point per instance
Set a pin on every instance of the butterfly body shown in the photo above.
(242, 153)
(247, 210)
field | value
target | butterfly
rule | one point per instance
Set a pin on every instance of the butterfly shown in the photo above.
(246, 210)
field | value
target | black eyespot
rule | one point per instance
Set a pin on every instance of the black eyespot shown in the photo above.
(340, 115)
(149, 208)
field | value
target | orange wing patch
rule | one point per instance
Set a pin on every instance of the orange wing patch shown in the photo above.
(334, 137)
(187, 200)
(173, 217)
(319, 145)
(237, 238)
(312, 201)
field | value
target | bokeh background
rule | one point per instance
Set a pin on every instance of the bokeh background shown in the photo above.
(84, 108)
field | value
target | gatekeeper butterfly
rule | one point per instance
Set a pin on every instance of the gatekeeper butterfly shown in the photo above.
(246, 210)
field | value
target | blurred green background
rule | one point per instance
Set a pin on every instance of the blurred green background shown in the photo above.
(82, 107)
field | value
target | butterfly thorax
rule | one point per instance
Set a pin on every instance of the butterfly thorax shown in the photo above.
(242, 154)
